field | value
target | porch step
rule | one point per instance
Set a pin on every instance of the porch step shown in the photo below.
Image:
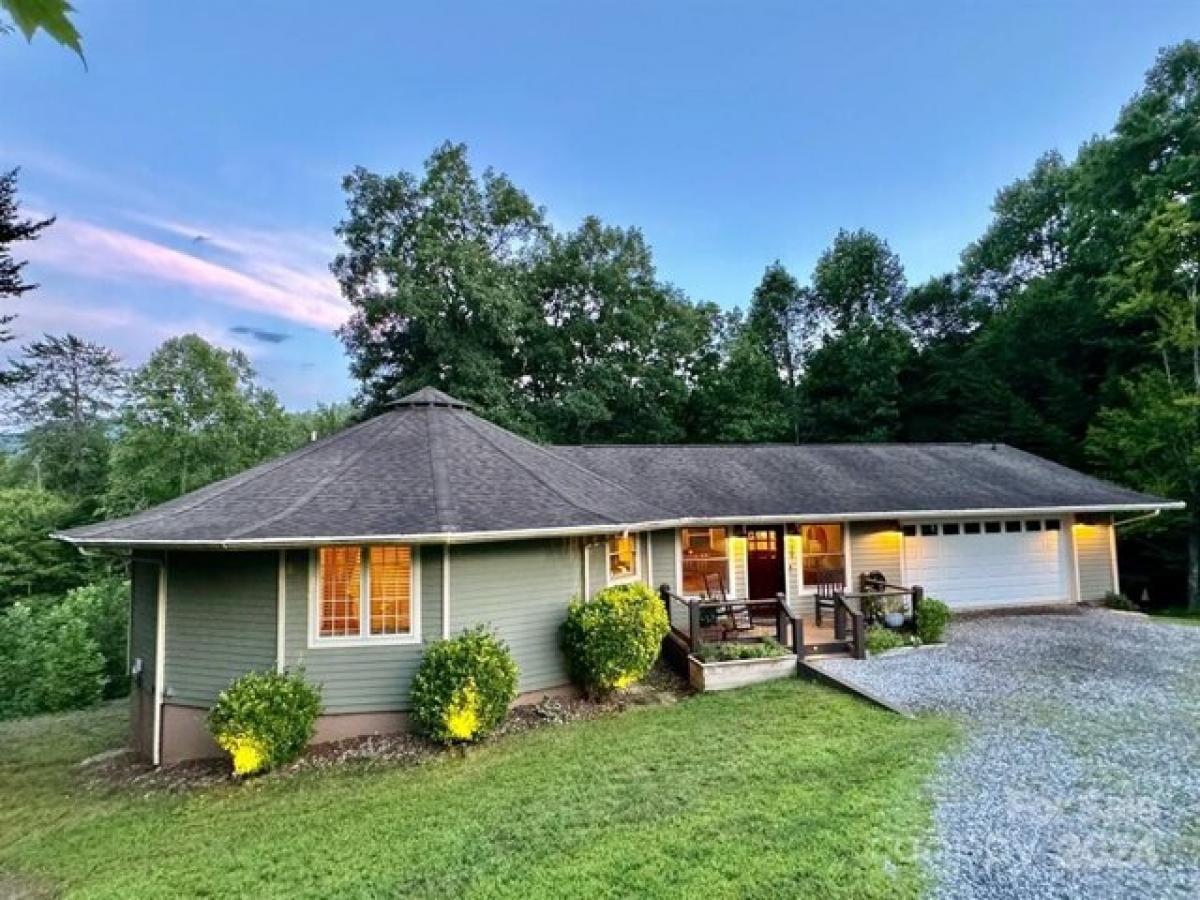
(827, 648)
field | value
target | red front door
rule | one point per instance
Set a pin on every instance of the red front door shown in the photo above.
(764, 562)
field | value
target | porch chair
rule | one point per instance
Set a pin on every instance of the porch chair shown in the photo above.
(829, 585)
(737, 615)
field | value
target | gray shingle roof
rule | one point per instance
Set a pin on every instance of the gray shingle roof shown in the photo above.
(429, 468)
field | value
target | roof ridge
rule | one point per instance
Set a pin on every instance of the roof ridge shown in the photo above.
(223, 486)
(321, 483)
(472, 422)
(445, 510)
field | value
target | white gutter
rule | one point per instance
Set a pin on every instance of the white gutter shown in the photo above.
(472, 537)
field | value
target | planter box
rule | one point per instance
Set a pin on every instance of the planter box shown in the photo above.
(735, 673)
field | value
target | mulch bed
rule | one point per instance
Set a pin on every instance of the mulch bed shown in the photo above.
(121, 770)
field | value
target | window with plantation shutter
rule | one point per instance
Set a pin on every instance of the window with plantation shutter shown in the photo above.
(365, 595)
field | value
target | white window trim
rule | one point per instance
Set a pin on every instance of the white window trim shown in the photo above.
(811, 589)
(364, 638)
(636, 574)
(728, 529)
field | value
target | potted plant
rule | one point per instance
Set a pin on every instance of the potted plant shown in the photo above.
(893, 612)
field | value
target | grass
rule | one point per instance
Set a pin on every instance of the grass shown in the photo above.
(1178, 615)
(787, 788)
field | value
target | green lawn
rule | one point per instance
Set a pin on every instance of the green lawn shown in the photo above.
(785, 789)
(1177, 616)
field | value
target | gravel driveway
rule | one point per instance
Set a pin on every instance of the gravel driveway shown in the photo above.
(1079, 773)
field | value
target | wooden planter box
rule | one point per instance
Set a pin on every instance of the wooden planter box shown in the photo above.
(735, 673)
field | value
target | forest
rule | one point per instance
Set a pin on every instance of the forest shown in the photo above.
(1069, 328)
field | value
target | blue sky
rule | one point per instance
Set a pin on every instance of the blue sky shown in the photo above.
(731, 133)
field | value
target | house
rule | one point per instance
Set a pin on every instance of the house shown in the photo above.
(348, 556)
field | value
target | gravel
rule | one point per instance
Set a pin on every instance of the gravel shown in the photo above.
(1079, 771)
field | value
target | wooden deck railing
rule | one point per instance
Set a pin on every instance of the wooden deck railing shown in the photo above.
(691, 616)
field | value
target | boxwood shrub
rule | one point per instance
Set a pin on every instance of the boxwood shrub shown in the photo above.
(464, 686)
(932, 618)
(265, 719)
(612, 640)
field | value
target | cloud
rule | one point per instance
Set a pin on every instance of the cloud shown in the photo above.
(270, 284)
(261, 334)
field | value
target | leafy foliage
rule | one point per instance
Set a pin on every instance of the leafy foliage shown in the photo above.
(50, 660)
(464, 686)
(726, 651)
(612, 640)
(65, 391)
(932, 618)
(51, 16)
(265, 719)
(195, 415)
(13, 229)
(880, 639)
(33, 566)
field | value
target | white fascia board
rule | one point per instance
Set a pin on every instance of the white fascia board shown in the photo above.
(475, 537)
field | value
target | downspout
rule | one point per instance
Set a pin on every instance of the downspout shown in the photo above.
(1149, 515)
(160, 660)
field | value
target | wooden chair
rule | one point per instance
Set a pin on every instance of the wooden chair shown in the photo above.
(829, 585)
(737, 616)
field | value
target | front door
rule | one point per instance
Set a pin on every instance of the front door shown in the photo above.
(764, 562)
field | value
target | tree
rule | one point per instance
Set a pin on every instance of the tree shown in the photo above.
(32, 565)
(65, 392)
(858, 279)
(13, 229)
(743, 399)
(852, 389)
(194, 415)
(321, 421)
(608, 350)
(433, 269)
(50, 16)
(1151, 436)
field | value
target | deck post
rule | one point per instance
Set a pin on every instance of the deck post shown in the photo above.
(918, 594)
(860, 637)
(839, 618)
(664, 592)
(693, 624)
(780, 619)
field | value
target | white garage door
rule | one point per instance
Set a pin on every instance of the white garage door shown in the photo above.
(1002, 562)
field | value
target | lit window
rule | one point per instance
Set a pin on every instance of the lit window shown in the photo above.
(341, 590)
(704, 553)
(622, 558)
(365, 593)
(824, 557)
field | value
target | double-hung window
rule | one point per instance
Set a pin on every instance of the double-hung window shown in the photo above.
(622, 558)
(365, 595)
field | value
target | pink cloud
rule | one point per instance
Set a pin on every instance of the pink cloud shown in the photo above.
(272, 286)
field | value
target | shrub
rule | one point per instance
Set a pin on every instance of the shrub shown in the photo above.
(265, 719)
(1114, 600)
(932, 618)
(881, 639)
(49, 661)
(724, 652)
(464, 686)
(612, 640)
(104, 606)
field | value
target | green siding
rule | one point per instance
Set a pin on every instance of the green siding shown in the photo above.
(597, 563)
(143, 618)
(221, 611)
(663, 559)
(521, 589)
(364, 678)
(1095, 560)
